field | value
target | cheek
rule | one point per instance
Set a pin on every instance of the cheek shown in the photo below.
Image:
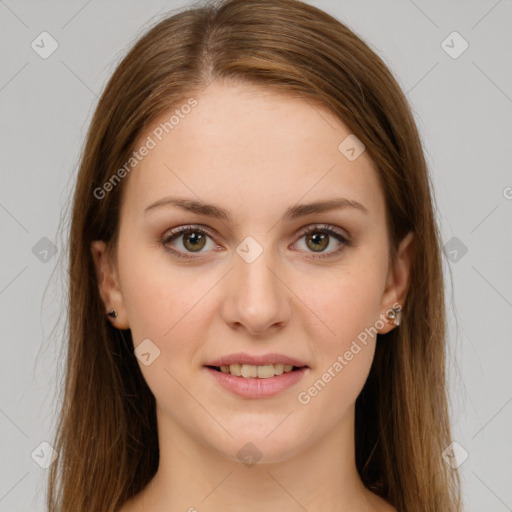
(171, 306)
(344, 359)
(157, 294)
(163, 306)
(349, 307)
(347, 301)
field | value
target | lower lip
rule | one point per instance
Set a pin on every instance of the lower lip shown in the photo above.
(254, 387)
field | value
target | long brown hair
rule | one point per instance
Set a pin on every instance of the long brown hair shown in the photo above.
(106, 436)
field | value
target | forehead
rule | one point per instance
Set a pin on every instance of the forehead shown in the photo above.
(248, 147)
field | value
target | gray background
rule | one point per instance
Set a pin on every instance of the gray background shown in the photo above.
(463, 109)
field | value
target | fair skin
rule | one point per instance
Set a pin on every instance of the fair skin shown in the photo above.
(253, 153)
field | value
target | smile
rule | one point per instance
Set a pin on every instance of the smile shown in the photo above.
(274, 379)
(253, 371)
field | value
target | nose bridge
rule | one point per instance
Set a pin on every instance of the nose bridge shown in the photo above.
(256, 297)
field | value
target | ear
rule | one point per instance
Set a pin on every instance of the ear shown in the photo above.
(108, 284)
(397, 283)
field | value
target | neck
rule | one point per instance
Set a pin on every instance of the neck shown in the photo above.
(194, 477)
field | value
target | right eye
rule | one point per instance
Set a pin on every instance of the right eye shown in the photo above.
(191, 239)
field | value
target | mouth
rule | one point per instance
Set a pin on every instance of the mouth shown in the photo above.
(250, 371)
(256, 381)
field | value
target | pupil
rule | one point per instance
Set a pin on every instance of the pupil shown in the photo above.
(194, 241)
(320, 241)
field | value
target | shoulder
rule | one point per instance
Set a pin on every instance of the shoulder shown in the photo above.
(380, 504)
(129, 506)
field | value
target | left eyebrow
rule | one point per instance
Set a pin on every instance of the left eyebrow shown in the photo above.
(301, 210)
(291, 213)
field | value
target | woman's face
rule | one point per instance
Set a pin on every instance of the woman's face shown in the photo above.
(249, 171)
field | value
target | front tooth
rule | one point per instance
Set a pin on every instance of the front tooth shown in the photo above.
(265, 372)
(249, 370)
(278, 369)
(224, 368)
(288, 367)
(235, 369)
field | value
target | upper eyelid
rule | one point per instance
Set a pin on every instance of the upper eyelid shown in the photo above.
(322, 227)
(180, 230)
(189, 227)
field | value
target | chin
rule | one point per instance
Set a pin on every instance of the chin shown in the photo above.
(269, 443)
(260, 451)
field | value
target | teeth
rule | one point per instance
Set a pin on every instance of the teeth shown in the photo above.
(250, 370)
(265, 372)
(279, 369)
(235, 369)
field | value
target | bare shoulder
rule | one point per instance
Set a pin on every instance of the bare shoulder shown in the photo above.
(138, 502)
(380, 504)
(387, 507)
(377, 503)
(129, 506)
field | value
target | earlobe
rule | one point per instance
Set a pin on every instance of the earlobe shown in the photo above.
(397, 285)
(108, 286)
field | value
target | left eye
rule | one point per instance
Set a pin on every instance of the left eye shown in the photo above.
(318, 238)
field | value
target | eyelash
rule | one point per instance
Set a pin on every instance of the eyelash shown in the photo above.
(317, 228)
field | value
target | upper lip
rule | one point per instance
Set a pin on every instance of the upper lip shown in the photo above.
(257, 360)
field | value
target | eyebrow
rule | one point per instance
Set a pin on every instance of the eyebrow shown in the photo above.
(291, 213)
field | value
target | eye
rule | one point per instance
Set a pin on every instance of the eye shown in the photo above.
(185, 241)
(319, 238)
(188, 239)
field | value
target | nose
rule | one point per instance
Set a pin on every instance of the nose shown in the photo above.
(256, 298)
